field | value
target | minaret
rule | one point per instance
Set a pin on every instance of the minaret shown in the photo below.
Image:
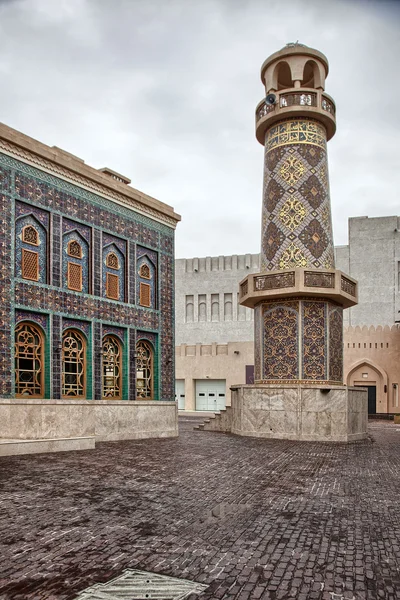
(299, 296)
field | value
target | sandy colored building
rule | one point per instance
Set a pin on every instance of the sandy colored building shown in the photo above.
(214, 334)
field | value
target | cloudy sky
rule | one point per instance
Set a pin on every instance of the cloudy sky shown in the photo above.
(164, 91)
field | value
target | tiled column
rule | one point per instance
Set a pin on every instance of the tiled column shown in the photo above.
(132, 364)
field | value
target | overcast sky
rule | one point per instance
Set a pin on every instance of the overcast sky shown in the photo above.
(164, 92)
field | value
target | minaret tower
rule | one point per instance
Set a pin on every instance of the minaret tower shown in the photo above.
(299, 296)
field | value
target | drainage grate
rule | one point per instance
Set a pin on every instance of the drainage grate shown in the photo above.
(140, 585)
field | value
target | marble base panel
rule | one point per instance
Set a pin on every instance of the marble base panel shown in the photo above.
(34, 420)
(300, 412)
(15, 447)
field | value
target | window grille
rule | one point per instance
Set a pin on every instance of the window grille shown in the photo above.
(73, 364)
(30, 235)
(112, 261)
(112, 286)
(144, 370)
(144, 271)
(29, 361)
(145, 294)
(30, 265)
(74, 276)
(74, 249)
(111, 368)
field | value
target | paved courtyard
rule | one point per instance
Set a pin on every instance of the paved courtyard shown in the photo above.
(251, 518)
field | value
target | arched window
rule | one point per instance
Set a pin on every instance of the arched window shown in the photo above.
(74, 249)
(73, 364)
(29, 361)
(112, 368)
(112, 261)
(113, 273)
(144, 370)
(30, 249)
(76, 263)
(30, 235)
(144, 271)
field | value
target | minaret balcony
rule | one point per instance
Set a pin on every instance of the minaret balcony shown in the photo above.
(296, 102)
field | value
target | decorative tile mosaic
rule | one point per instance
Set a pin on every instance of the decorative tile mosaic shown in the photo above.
(296, 339)
(280, 340)
(23, 209)
(83, 326)
(39, 318)
(336, 343)
(314, 325)
(42, 196)
(296, 222)
(112, 330)
(84, 231)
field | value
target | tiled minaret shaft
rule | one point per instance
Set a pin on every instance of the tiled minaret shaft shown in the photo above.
(299, 296)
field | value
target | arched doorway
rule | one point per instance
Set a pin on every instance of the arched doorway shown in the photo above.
(365, 373)
(29, 361)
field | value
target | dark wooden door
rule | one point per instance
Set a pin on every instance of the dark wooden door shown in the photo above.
(371, 400)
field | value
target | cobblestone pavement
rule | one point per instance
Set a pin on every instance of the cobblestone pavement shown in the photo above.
(252, 518)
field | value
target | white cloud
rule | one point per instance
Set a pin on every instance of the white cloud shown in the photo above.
(165, 93)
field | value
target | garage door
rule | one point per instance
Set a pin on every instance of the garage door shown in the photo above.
(210, 394)
(180, 393)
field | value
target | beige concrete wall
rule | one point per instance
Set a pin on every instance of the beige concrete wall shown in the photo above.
(212, 361)
(372, 357)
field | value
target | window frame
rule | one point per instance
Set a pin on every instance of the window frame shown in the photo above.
(24, 252)
(80, 336)
(41, 358)
(69, 286)
(108, 277)
(117, 342)
(36, 244)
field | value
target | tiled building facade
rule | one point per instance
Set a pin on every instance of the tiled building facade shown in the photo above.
(86, 280)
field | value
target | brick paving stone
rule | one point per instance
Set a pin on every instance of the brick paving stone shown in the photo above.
(269, 519)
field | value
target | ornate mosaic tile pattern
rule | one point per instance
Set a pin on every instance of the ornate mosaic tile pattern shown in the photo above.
(336, 343)
(314, 340)
(44, 197)
(258, 332)
(298, 337)
(167, 328)
(111, 330)
(83, 326)
(296, 222)
(281, 334)
(55, 250)
(25, 315)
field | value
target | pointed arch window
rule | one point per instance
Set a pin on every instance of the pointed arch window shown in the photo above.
(74, 249)
(29, 361)
(112, 261)
(30, 235)
(112, 368)
(144, 271)
(144, 370)
(73, 364)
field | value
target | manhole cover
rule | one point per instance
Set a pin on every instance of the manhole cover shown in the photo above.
(140, 585)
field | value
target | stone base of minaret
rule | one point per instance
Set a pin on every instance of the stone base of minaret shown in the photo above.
(299, 412)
